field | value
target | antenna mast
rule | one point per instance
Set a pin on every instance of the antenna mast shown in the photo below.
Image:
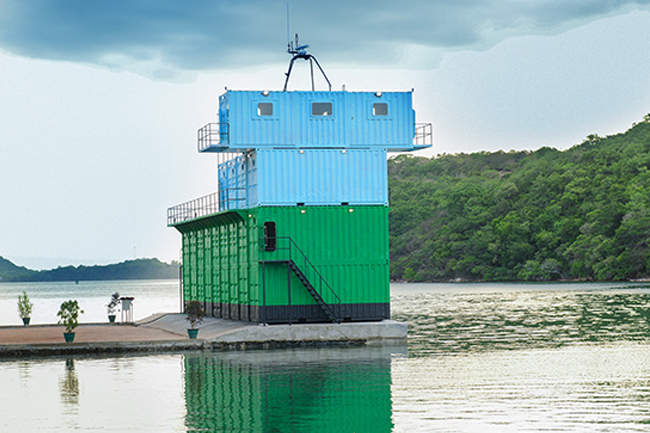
(288, 33)
(300, 52)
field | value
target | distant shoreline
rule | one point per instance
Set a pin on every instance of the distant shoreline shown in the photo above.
(466, 281)
(86, 281)
(137, 269)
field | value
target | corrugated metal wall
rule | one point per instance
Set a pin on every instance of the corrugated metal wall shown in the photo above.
(334, 234)
(310, 176)
(348, 246)
(351, 123)
(220, 264)
(322, 177)
(237, 179)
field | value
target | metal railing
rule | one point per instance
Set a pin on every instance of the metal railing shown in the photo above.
(423, 134)
(286, 250)
(213, 135)
(196, 208)
(232, 198)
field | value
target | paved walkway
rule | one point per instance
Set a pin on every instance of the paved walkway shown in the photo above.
(162, 332)
(44, 334)
(159, 327)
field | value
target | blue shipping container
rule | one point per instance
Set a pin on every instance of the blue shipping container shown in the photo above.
(287, 177)
(315, 119)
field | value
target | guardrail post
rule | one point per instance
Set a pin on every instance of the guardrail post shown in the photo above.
(263, 294)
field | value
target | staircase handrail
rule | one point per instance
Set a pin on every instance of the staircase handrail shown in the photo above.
(306, 260)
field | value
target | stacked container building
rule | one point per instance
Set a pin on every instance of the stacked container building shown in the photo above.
(298, 229)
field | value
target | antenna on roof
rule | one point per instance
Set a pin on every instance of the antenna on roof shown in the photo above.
(300, 52)
(288, 32)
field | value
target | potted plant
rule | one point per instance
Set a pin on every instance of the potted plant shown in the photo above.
(113, 306)
(195, 314)
(24, 308)
(69, 315)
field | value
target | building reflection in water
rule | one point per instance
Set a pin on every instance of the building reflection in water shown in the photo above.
(296, 390)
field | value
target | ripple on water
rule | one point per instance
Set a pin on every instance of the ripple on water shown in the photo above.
(448, 321)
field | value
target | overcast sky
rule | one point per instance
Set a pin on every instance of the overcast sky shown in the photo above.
(100, 100)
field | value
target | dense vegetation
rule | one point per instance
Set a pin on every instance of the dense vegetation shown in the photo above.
(583, 213)
(128, 270)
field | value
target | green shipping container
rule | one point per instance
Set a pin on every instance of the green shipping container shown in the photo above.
(286, 264)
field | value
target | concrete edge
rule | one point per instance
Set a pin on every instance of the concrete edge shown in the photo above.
(386, 332)
(55, 325)
(382, 332)
(48, 350)
(58, 349)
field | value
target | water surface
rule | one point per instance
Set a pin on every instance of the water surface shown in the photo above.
(480, 358)
(151, 296)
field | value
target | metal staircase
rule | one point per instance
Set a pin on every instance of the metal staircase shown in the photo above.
(305, 282)
(287, 252)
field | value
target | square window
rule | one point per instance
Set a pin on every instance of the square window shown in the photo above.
(265, 109)
(321, 109)
(380, 109)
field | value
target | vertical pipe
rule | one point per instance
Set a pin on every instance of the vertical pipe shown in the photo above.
(311, 68)
(288, 35)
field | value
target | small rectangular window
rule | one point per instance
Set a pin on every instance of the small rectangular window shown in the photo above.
(321, 109)
(380, 109)
(265, 109)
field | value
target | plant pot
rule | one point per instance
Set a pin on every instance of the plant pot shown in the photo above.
(26, 321)
(111, 318)
(69, 337)
(192, 333)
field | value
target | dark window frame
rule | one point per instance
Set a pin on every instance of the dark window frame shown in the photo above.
(261, 109)
(375, 109)
(320, 109)
(270, 236)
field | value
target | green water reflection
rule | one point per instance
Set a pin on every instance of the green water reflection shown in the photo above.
(69, 384)
(306, 390)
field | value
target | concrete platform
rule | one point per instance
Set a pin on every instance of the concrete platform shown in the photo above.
(168, 332)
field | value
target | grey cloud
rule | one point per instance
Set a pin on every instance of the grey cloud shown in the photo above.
(203, 35)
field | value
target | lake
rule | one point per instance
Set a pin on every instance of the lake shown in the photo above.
(480, 358)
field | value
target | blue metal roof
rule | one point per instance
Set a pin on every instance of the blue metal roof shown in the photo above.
(313, 119)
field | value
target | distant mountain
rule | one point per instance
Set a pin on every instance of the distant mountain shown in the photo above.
(9, 271)
(139, 269)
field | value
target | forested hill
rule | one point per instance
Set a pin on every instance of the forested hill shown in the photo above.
(583, 213)
(128, 270)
